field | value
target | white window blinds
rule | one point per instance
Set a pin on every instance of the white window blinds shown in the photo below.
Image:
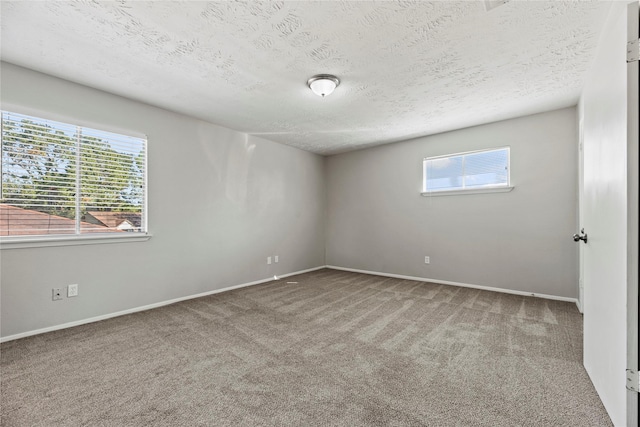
(474, 170)
(59, 178)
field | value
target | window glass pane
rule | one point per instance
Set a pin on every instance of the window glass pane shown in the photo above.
(49, 168)
(467, 171)
(444, 173)
(486, 168)
(38, 176)
(111, 182)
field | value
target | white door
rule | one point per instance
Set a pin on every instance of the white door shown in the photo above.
(633, 196)
(609, 203)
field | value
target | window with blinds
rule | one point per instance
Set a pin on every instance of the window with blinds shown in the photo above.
(467, 171)
(61, 179)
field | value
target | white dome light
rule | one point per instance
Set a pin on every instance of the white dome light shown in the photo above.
(323, 84)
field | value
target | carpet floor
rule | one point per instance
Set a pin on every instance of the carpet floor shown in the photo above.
(334, 349)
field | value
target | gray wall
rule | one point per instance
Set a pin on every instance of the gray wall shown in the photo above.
(520, 240)
(220, 202)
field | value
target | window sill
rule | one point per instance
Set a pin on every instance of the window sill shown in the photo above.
(467, 191)
(49, 241)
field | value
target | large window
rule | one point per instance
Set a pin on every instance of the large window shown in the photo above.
(61, 179)
(477, 170)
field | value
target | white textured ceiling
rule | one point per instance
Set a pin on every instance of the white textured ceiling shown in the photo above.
(407, 68)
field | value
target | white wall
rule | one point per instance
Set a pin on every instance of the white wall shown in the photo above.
(603, 112)
(220, 202)
(520, 240)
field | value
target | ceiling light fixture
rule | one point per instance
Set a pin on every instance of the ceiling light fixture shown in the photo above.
(323, 84)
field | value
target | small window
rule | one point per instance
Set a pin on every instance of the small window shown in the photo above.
(477, 170)
(62, 179)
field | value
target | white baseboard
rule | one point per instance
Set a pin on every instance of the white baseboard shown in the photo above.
(147, 307)
(257, 282)
(464, 285)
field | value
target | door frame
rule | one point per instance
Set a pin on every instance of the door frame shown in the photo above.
(580, 213)
(633, 136)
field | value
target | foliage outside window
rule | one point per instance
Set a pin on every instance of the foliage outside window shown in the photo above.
(467, 171)
(61, 179)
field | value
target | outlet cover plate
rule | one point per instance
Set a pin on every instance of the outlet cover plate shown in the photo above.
(57, 294)
(72, 290)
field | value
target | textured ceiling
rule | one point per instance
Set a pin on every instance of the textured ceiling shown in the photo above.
(407, 68)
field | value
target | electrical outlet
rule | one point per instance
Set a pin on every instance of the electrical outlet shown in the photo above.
(268, 260)
(275, 258)
(427, 260)
(72, 290)
(57, 294)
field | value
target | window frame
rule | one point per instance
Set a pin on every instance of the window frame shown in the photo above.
(53, 240)
(491, 188)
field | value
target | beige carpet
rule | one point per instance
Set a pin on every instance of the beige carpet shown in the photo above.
(334, 349)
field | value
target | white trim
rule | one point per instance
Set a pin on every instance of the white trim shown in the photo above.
(257, 282)
(70, 240)
(467, 191)
(463, 285)
(147, 307)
